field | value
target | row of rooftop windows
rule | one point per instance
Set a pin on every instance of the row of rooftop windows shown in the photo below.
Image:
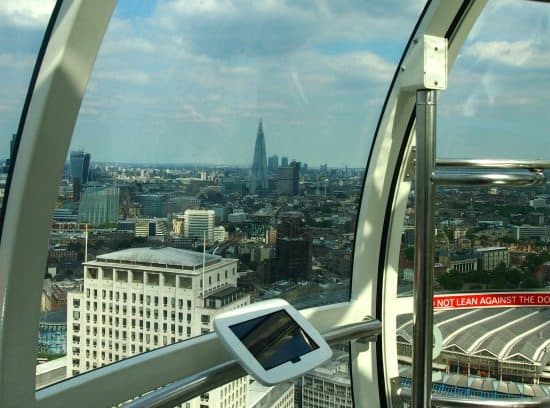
(134, 311)
(150, 278)
(117, 321)
(135, 298)
(123, 334)
(139, 337)
(140, 277)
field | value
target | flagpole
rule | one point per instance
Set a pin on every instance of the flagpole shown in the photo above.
(86, 244)
(203, 264)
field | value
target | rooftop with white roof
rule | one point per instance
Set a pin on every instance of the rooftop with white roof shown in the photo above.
(163, 257)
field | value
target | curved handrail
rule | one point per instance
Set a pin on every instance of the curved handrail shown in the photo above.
(495, 164)
(193, 386)
(513, 179)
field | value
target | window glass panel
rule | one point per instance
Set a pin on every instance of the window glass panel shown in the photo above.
(491, 245)
(21, 32)
(241, 128)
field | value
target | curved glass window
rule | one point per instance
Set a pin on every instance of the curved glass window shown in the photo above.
(21, 33)
(491, 243)
(218, 160)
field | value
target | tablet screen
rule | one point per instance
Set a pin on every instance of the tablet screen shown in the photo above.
(274, 339)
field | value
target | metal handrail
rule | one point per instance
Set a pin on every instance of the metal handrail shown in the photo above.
(200, 383)
(446, 401)
(531, 178)
(495, 164)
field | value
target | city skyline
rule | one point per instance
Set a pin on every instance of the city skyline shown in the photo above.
(318, 87)
(195, 220)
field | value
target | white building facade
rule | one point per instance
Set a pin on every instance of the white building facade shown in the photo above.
(489, 258)
(198, 222)
(278, 396)
(533, 232)
(328, 386)
(139, 299)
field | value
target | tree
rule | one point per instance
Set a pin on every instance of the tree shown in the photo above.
(451, 281)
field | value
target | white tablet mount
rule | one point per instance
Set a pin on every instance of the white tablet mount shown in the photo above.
(272, 341)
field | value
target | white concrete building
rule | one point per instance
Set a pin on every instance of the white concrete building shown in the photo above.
(279, 396)
(463, 265)
(139, 299)
(328, 386)
(197, 222)
(220, 234)
(489, 258)
(533, 232)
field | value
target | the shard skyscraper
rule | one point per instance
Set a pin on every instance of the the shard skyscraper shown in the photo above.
(258, 171)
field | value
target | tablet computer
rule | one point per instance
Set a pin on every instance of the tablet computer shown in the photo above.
(272, 341)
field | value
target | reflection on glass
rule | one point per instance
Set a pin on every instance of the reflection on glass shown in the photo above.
(274, 339)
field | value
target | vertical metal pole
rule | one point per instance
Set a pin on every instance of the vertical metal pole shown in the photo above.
(424, 256)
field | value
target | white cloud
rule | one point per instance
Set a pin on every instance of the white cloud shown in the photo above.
(523, 53)
(238, 70)
(131, 76)
(27, 13)
(16, 61)
(365, 65)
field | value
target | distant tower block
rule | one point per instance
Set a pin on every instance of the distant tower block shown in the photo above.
(80, 164)
(258, 171)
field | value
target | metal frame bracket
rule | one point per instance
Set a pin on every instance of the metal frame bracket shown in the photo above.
(425, 67)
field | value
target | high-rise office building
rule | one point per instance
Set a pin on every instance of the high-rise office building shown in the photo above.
(139, 299)
(99, 206)
(258, 171)
(284, 161)
(11, 157)
(273, 163)
(199, 224)
(80, 164)
(291, 225)
(12, 145)
(293, 249)
(288, 178)
(12, 149)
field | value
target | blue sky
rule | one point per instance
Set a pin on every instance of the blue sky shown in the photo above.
(187, 81)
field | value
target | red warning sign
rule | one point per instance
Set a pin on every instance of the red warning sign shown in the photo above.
(477, 300)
